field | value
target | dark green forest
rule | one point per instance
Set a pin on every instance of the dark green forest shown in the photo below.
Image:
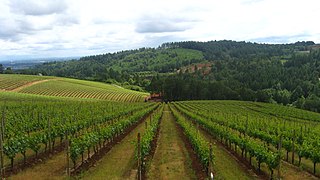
(287, 74)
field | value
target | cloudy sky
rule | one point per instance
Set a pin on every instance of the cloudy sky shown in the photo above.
(59, 28)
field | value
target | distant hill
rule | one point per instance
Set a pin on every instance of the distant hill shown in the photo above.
(166, 58)
(18, 64)
(104, 66)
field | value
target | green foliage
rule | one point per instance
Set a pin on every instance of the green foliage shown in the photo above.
(199, 144)
(149, 134)
(1, 68)
(90, 139)
(121, 66)
(27, 121)
(225, 119)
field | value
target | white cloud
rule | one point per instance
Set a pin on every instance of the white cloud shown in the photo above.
(37, 7)
(81, 27)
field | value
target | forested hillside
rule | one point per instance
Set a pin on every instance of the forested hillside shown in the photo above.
(281, 73)
(119, 66)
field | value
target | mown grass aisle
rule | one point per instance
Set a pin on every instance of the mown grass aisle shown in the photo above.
(53, 168)
(171, 159)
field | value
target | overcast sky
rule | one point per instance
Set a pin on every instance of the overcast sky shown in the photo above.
(54, 28)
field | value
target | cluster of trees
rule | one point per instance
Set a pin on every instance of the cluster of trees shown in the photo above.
(226, 49)
(4, 70)
(118, 65)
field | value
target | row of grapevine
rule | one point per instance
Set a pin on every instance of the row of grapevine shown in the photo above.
(144, 145)
(306, 144)
(10, 82)
(286, 112)
(65, 88)
(100, 135)
(28, 125)
(255, 149)
(199, 144)
(29, 117)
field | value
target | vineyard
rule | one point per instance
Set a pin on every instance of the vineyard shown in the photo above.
(64, 87)
(10, 82)
(262, 134)
(64, 127)
(31, 129)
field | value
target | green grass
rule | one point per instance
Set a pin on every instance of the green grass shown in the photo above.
(171, 159)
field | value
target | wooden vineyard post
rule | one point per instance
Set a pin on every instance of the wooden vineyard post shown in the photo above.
(293, 141)
(197, 130)
(68, 154)
(246, 125)
(279, 151)
(210, 174)
(146, 123)
(1, 144)
(49, 135)
(139, 158)
(3, 123)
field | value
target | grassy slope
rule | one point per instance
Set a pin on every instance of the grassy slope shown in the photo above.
(65, 87)
(12, 81)
(171, 159)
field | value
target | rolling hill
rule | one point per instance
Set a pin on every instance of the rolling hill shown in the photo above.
(65, 87)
